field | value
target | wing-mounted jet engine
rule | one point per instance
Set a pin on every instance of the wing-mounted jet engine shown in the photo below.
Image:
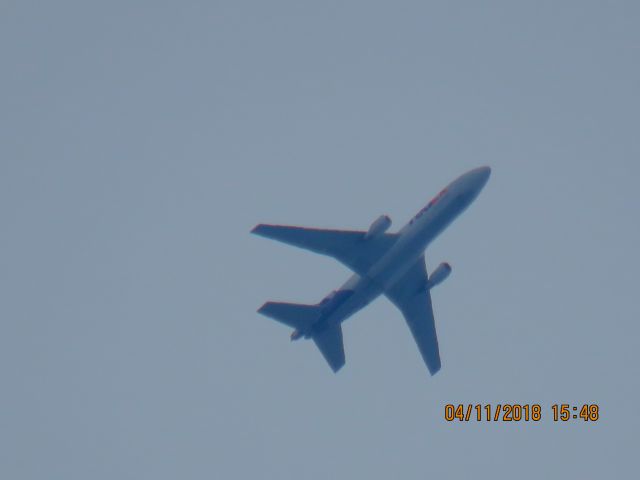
(378, 227)
(438, 275)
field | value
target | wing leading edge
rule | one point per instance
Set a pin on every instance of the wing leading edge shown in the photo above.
(349, 247)
(411, 296)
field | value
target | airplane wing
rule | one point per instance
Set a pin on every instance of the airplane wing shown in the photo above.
(347, 246)
(411, 296)
(329, 341)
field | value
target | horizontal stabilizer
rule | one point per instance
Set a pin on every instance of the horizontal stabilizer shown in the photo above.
(302, 317)
(330, 343)
(295, 315)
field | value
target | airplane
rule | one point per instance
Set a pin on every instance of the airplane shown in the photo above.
(390, 264)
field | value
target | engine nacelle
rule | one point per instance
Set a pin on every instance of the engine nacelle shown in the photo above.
(439, 275)
(381, 225)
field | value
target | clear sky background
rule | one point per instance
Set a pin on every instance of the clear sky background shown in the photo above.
(141, 141)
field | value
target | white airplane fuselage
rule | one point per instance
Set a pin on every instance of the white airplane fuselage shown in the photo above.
(360, 289)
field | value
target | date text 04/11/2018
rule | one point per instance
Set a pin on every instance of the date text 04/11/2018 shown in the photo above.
(515, 412)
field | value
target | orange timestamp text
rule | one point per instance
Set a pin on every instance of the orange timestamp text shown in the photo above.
(516, 412)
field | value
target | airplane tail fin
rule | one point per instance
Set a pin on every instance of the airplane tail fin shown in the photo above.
(302, 317)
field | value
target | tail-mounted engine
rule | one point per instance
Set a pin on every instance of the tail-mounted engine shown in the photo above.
(381, 225)
(438, 275)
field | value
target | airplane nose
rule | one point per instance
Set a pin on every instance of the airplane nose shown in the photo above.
(471, 183)
(482, 175)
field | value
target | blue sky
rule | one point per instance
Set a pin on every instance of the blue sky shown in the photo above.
(141, 141)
